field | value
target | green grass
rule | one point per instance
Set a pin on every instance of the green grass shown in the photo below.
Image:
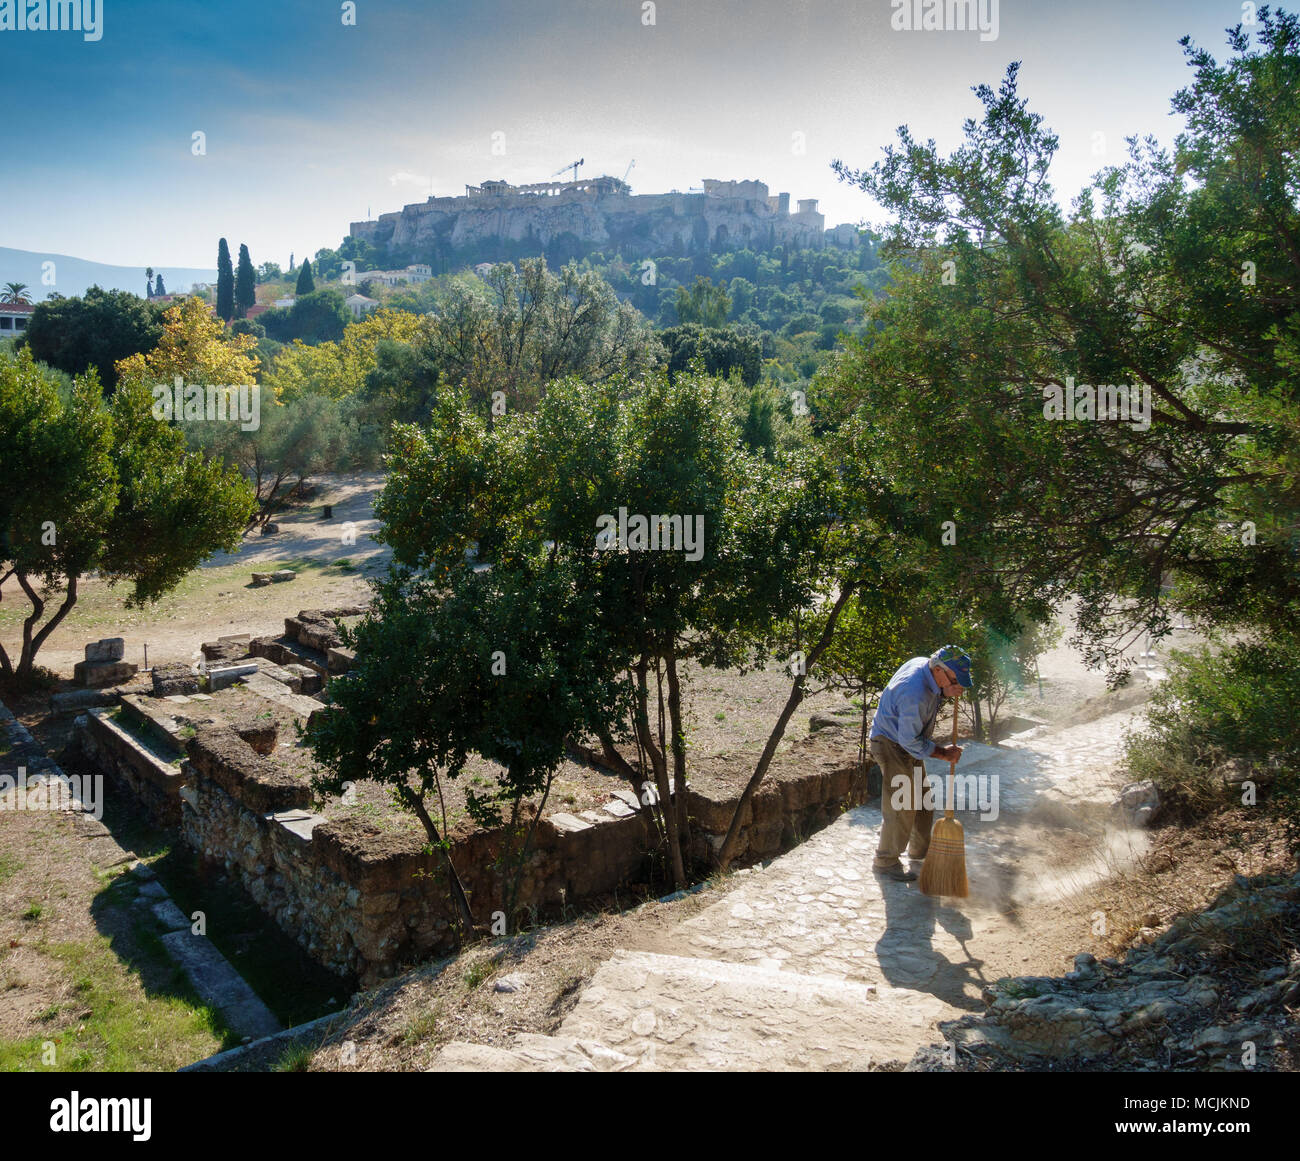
(9, 866)
(423, 1026)
(114, 1030)
(34, 911)
(296, 1058)
(479, 971)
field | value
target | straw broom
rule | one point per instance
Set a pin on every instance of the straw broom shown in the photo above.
(944, 870)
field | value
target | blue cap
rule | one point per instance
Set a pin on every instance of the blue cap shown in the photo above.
(957, 660)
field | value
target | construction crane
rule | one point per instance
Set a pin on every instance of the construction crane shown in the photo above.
(573, 165)
(629, 168)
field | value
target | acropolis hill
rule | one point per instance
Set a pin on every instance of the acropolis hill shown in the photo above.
(603, 211)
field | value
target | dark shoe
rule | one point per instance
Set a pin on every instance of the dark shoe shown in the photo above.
(898, 875)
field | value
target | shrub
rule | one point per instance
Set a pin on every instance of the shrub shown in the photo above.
(1215, 706)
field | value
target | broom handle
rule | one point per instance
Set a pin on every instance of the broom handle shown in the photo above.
(952, 764)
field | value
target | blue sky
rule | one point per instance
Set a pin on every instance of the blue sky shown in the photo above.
(309, 122)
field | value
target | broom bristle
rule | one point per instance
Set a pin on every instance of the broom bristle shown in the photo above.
(944, 870)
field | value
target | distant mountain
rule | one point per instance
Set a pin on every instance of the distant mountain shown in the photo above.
(72, 276)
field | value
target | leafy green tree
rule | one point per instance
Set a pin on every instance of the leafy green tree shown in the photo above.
(719, 350)
(528, 327)
(505, 663)
(1174, 277)
(102, 487)
(306, 283)
(329, 264)
(269, 272)
(320, 316)
(561, 474)
(293, 442)
(160, 287)
(245, 283)
(96, 331)
(703, 303)
(15, 292)
(225, 283)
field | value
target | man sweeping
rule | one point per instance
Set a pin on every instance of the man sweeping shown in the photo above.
(900, 739)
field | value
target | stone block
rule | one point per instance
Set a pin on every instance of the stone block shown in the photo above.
(283, 574)
(97, 674)
(220, 677)
(261, 579)
(341, 659)
(318, 635)
(618, 808)
(108, 649)
(174, 679)
(224, 650)
(309, 681)
(170, 916)
(629, 797)
(73, 701)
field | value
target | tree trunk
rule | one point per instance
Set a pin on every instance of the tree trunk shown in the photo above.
(458, 896)
(679, 749)
(660, 767)
(32, 642)
(730, 843)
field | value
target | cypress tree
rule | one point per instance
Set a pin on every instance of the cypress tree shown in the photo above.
(225, 283)
(159, 289)
(306, 284)
(245, 283)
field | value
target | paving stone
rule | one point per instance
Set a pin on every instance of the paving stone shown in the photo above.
(218, 984)
(811, 962)
(618, 809)
(170, 916)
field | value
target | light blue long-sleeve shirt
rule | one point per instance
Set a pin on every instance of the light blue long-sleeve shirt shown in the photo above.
(908, 707)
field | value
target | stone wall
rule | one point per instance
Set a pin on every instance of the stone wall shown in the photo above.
(363, 901)
(131, 767)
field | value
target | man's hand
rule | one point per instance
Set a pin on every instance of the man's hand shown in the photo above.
(946, 753)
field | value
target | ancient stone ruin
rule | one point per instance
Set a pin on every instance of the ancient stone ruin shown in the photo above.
(212, 752)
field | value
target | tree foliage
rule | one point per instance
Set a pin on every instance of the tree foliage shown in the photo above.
(195, 346)
(103, 487)
(1142, 285)
(225, 283)
(245, 283)
(94, 332)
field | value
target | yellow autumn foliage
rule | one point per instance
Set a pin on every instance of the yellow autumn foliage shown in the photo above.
(339, 369)
(195, 346)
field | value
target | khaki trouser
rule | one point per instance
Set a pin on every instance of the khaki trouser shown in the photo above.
(907, 829)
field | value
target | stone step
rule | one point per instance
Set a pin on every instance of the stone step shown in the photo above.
(681, 1013)
(531, 1053)
(272, 690)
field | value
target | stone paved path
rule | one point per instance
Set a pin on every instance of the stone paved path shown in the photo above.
(813, 962)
